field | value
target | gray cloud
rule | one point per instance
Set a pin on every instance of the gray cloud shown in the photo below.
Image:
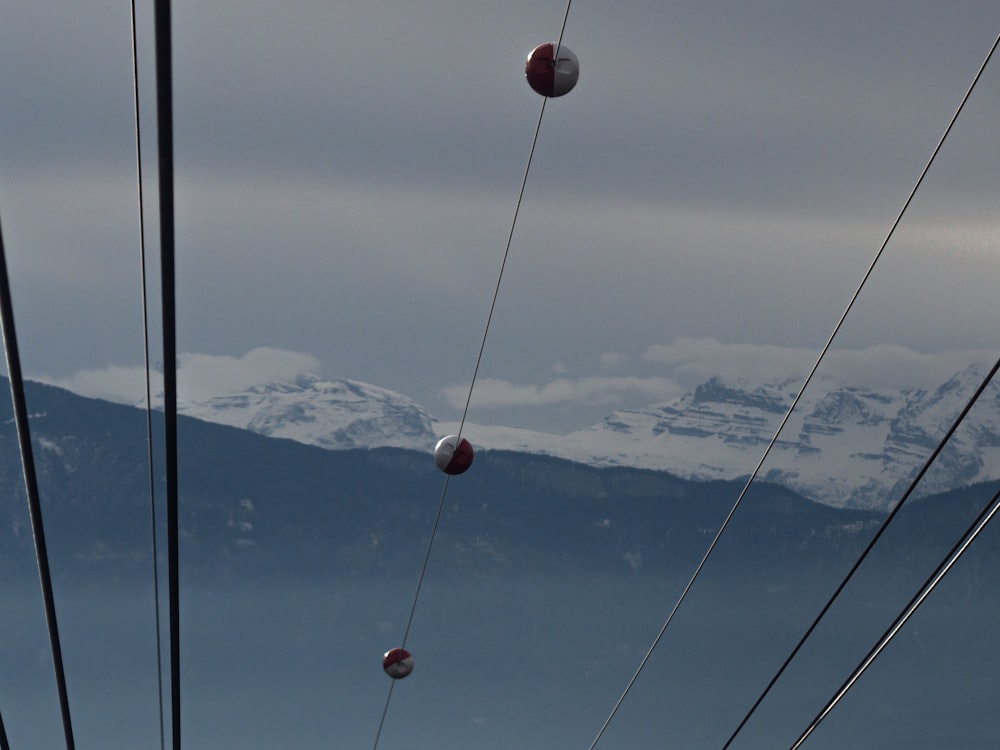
(493, 393)
(199, 376)
(346, 177)
(691, 361)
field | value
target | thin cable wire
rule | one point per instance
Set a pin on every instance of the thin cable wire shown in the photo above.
(503, 265)
(165, 161)
(465, 411)
(871, 544)
(510, 235)
(31, 490)
(940, 572)
(4, 744)
(795, 401)
(385, 711)
(475, 374)
(145, 349)
(427, 557)
(562, 30)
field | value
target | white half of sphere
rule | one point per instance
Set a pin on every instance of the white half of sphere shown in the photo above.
(552, 69)
(397, 663)
(451, 456)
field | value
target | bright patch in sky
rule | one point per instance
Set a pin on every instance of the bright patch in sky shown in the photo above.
(679, 367)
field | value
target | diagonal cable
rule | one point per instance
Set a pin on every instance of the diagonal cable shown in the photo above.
(465, 411)
(871, 544)
(427, 558)
(930, 584)
(503, 266)
(795, 401)
(149, 402)
(385, 711)
(31, 489)
(475, 373)
(885, 522)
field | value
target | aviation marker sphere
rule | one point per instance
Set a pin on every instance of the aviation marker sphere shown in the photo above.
(452, 460)
(548, 77)
(397, 663)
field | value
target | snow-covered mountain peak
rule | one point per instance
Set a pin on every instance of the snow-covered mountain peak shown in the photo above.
(743, 392)
(335, 414)
(844, 445)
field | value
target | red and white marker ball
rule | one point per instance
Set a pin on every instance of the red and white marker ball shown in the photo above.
(451, 459)
(548, 76)
(397, 663)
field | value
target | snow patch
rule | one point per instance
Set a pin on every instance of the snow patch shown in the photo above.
(843, 446)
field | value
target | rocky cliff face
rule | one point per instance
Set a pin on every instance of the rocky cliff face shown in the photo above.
(337, 414)
(844, 445)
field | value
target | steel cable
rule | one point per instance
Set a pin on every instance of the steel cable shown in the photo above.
(165, 162)
(868, 548)
(929, 585)
(145, 348)
(31, 490)
(475, 372)
(795, 401)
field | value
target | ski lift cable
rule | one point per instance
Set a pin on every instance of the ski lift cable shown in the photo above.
(510, 238)
(427, 557)
(475, 371)
(503, 265)
(145, 342)
(385, 711)
(985, 515)
(465, 411)
(868, 548)
(31, 490)
(798, 396)
(562, 32)
(909, 490)
(165, 161)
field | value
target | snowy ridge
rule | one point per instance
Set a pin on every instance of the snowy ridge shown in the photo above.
(842, 446)
(845, 445)
(337, 415)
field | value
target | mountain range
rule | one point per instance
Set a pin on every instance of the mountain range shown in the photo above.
(298, 566)
(844, 445)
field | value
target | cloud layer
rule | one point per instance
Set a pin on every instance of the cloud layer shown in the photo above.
(659, 373)
(726, 180)
(688, 362)
(494, 393)
(199, 376)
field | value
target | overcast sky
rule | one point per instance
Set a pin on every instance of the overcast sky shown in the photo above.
(706, 200)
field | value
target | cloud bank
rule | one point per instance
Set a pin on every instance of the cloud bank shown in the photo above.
(661, 372)
(199, 376)
(688, 362)
(591, 391)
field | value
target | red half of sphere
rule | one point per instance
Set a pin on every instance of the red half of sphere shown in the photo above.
(453, 460)
(397, 663)
(548, 76)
